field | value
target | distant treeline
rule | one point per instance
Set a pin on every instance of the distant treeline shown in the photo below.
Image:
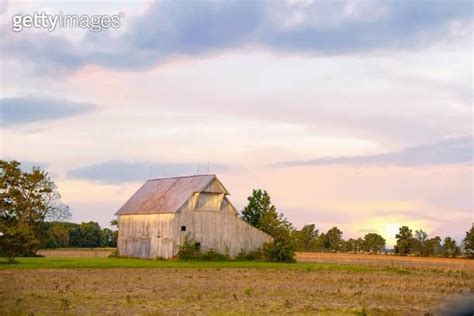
(261, 213)
(64, 234)
(408, 243)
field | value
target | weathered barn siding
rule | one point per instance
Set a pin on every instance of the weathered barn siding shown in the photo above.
(147, 236)
(207, 216)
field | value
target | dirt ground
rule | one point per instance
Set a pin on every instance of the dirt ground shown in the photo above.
(184, 291)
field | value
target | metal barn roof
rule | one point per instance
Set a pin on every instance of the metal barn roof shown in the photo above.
(169, 194)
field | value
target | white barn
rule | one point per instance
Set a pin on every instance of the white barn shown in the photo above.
(154, 222)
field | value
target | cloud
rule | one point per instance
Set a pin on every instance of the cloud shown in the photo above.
(448, 151)
(123, 171)
(175, 28)
(23, 110)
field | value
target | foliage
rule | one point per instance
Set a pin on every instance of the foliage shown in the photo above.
(419, 243)
(262, 214)
(353, 245)
(404, 244)
(89, 234)
(189, 250)
(108, 238)
(27, 200)
(259, 203)
(279, 251)
(333, 239)
(16, 240)
(306, 238)
(469, 242)
(64, 234)
(450, 249)
(433, 247)
(373, 243)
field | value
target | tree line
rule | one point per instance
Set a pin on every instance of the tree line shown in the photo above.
(261, 213)
(86, 234)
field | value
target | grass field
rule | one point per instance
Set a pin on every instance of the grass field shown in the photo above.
(334, 284)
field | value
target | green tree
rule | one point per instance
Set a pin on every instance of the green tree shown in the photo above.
(108, 238)
(433, 247)
(450, 249)
(16, 240)
(353, 245)
(333, 239)
(90, 234)
(319, 243)
(262, 214)
(469, 242)
(56, 236)
(259, 203)
(306, 238)
(27, 200)
(374, 243)
(404, 244)
(419, 243)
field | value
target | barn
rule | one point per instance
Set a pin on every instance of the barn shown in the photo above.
(155, 221)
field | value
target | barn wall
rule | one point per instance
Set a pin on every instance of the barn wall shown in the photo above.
(220, 230)
(147, 236)
(159, 235)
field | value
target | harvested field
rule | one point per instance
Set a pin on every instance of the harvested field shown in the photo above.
(388, 261)
(171, 287)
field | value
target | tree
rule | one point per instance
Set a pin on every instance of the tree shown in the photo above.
(469, 242)
(16, 240)
(404, 241)
(419, 243)
(259, 203)
(353, 245)
(108, 238)
(27, 199)
(333, 240)
(56, 236)
(433, 247)
(374, 243)
(305, 239)
(90, 234)
(262, 214)
(450, 249)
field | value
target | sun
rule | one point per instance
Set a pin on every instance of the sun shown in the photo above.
(389, 231)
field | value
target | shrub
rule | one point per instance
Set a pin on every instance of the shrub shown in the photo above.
(279, 251)
(189, 250)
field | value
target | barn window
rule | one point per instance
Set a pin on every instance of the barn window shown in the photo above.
(183, 228)
(208, 202)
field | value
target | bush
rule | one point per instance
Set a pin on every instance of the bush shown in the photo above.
(189, 250)
(279, 251)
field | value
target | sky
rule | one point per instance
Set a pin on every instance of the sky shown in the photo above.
(356, 114)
